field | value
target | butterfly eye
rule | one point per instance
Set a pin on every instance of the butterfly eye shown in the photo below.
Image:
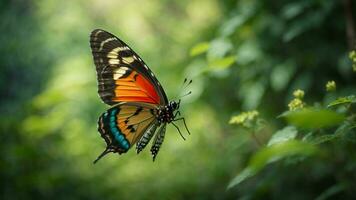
(173, 105)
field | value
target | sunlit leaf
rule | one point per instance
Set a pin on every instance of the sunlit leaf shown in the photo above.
(199, 48)
(343, 100)
(313, 118)
(270, 154)
(246, 173)
(287, 133)
(276, 152)
(222, 63)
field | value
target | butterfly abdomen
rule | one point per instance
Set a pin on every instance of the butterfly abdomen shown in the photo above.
(110, 131)
(146, 137)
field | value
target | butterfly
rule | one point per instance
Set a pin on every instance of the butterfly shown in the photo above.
(140, 108)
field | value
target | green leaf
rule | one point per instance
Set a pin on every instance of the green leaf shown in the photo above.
(281, 75)
(246, 173)
(222, 63)
(343, 100)
(291, 10)
(270, 154)
(219, 48)
(287, 133)
(331, 191)
(252, 94)
(278, 151)
(232, 24)
(199, 49)
(341, 131)
(313, 118)
(302, 25)
(249, 51)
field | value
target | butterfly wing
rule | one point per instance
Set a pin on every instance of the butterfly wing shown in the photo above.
(124, 124)
(122, 74)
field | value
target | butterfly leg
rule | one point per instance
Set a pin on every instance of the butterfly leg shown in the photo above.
(177, 114)
(178, 130)
(185, 124)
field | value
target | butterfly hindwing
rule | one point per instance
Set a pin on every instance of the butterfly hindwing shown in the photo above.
(122, 74)
(123, 125)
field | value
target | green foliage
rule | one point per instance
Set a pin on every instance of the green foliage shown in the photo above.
(313, 118)
(284, 143)
(199, 48)
(343, 101)
(278, 50)
(222, 63)
(285, 134)
(270, 154)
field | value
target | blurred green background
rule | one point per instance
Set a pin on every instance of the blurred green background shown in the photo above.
(241, 54)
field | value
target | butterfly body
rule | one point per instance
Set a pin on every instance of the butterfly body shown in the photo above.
(166, 113)
(140, 108)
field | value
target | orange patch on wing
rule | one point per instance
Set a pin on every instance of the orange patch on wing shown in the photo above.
(135, 87)
(139, 122)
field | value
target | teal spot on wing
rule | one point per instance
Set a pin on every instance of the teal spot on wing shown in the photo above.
(112, 124)
(119, 137)
(114, 111)
(112, 119)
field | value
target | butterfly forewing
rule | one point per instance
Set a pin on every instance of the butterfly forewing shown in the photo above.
(122, 74)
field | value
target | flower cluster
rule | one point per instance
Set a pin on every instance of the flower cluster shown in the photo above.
(297, 103)
(299, 94)
(245, 119)
(330, 86)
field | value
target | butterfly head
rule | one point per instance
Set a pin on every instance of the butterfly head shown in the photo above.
(174, 105)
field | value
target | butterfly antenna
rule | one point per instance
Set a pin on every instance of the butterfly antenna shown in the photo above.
(186, 94)
(185, 84)
(106, 151)
(185, 80)
(181, 87)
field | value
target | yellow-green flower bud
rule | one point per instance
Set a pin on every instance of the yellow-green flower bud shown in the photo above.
(299, 94)
(244, 118)
(330, 86)
(296, 104)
